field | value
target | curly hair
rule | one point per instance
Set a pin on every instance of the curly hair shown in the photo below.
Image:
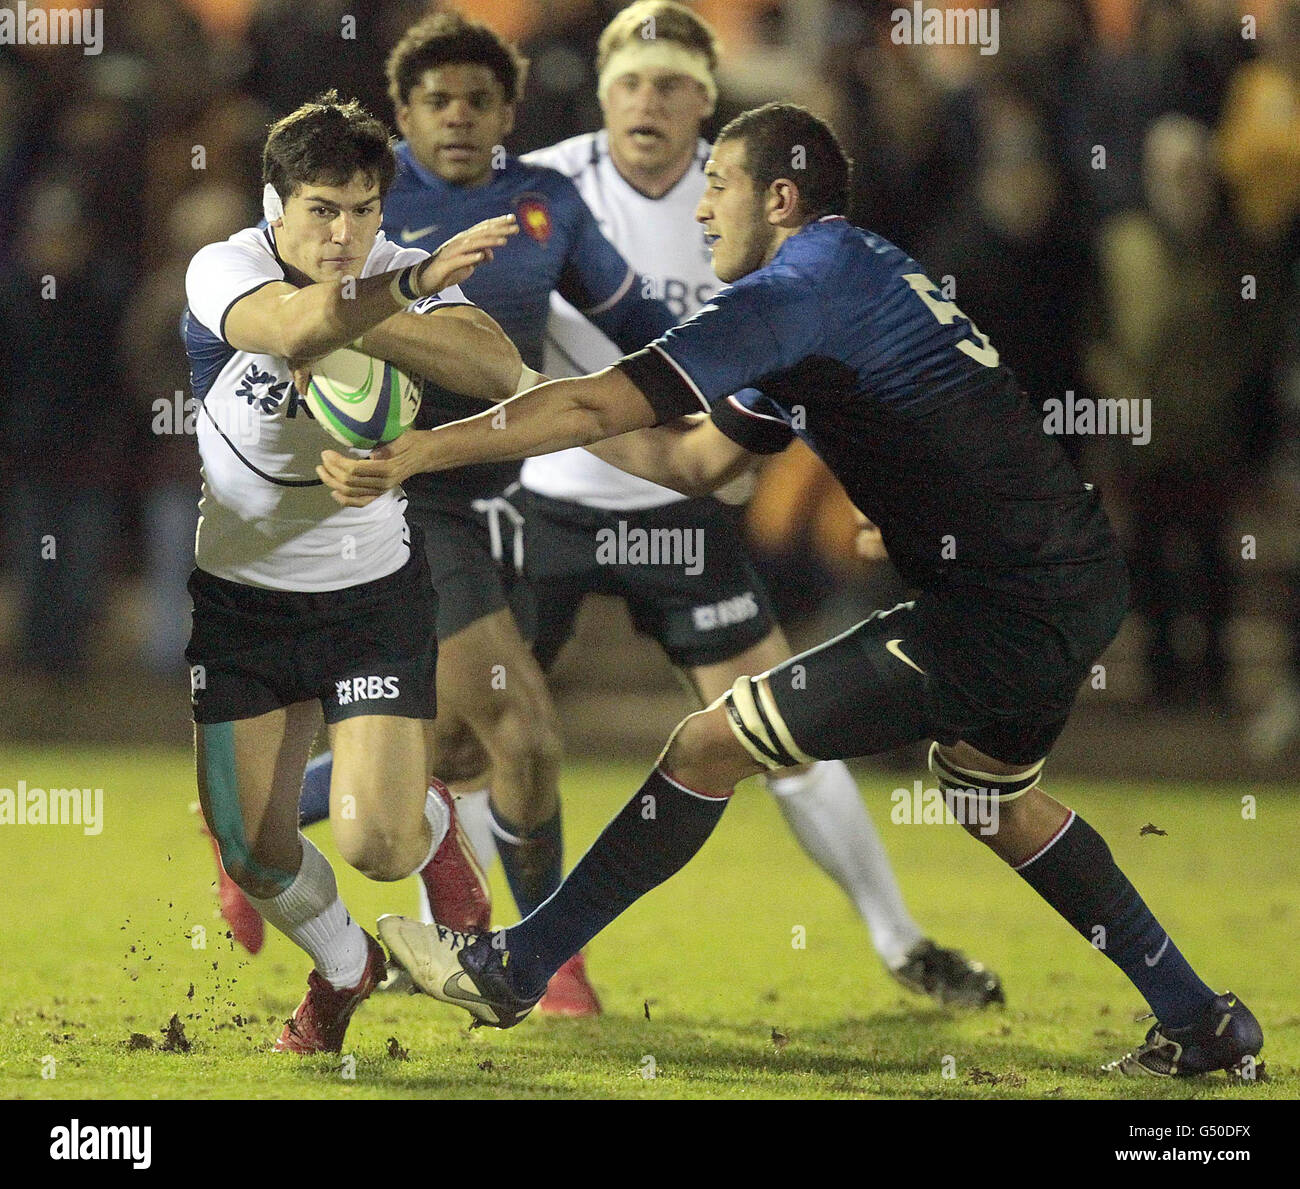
(448, 39)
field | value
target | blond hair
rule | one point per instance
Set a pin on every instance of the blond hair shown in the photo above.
(657, 20)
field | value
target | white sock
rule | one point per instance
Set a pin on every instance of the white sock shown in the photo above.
(311, 915)
(439, 819)
(475, 816)
(438, 816)
(826, 813)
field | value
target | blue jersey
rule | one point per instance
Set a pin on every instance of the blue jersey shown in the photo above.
(843, 341)
(559, 248)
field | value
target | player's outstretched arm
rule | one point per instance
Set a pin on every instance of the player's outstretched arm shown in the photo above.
(690, 455)
(552, 416)
(460, 347)
(279, 319)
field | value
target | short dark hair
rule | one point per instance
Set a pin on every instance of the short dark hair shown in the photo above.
(773, 136)
(448, 39)
(330, 142)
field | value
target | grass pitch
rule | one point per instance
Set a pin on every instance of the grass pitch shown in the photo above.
(107, 937)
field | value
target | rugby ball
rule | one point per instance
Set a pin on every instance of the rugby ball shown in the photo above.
(360, 401)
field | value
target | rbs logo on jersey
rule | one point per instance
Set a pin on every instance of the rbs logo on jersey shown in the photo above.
(365, 689)
(261, 391)
(674, 293)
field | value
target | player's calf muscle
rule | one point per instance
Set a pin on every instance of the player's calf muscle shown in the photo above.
(262, 864)
(518, 729)
(1025, 825)
(488, 678)
(526, 752)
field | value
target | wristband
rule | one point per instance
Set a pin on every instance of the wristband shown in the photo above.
(402, 285)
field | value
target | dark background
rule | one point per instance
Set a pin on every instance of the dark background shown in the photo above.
(1116, 193)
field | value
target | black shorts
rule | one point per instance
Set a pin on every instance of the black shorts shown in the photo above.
(367, 649)
(458, 542)
(698, 596)
(950, 666)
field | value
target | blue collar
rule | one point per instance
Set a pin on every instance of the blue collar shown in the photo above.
(431, 180)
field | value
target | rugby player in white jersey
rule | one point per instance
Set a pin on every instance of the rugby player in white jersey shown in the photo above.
(301, 606)
(643, 176)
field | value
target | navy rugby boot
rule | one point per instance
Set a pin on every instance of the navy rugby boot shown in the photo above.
(463, 969)
(1226, 1036)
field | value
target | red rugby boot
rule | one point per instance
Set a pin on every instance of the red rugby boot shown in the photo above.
(245, 922)
(457, 887)
(569, 993)
(322, 1017)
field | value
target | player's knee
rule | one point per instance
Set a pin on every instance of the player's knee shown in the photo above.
(702, 752)
(376, 851)
(757, 728)
(963, 757)
(380, 846)
(688, 745)
(458, 755)
(981, 792)
(526, 733)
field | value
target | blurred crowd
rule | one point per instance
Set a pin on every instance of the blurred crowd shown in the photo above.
(1113, 197)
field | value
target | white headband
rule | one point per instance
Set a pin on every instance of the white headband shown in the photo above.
(642, 54)
(272, 207)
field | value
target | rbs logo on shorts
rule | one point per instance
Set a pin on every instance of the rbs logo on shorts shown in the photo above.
(365, 689)
(725, 613)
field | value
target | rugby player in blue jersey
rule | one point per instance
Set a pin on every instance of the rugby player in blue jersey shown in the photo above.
(835, 335)
(642, 174)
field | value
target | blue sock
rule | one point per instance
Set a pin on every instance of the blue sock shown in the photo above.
(1078, 877)
(314, 802)
(533, 863)
(654, 836)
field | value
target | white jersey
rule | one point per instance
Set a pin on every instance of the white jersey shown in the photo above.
(264, 518)
(661, 240)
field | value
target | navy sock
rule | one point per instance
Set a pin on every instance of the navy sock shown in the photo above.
(533, 863)
(314, 801)
(654, 836)
(1076, 874)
